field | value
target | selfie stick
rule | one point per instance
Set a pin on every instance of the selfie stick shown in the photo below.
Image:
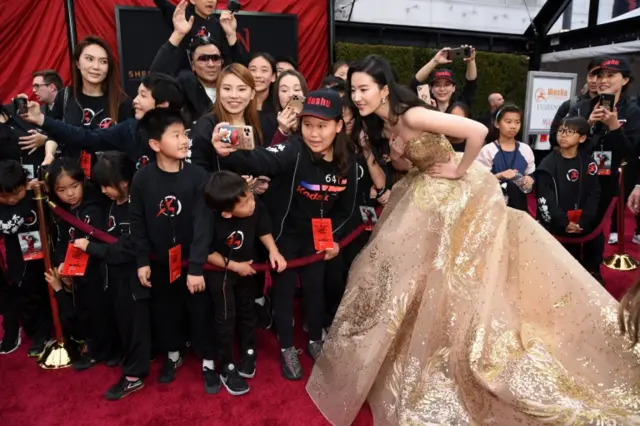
(57, 353)
(621, 261)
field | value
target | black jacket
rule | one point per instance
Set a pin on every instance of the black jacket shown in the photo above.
(560, 186)
(167, 61)
(124, 136)
(209, 27)
(284, 162)
(10, 133)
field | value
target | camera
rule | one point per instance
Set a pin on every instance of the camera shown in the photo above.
(234, 6)
(20, 106)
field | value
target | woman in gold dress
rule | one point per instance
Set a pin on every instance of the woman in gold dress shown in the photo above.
(461, 311)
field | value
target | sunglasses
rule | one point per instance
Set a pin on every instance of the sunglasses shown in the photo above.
(207, 58)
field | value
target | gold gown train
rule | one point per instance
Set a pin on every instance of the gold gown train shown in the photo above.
(461, 311)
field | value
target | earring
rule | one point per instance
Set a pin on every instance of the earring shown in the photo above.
(384, 100)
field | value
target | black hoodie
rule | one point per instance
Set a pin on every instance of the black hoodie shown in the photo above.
(14, 221)
(10, 133)
(167, 209)
(293, 197)
(564, 184)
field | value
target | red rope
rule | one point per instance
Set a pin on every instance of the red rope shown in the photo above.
(259, 267)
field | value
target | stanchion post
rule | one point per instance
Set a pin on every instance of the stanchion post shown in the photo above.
(58, 353)
(621, 261)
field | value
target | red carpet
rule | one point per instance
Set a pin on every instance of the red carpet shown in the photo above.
(31, 396)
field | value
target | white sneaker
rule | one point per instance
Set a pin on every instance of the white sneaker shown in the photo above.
(613, 238)
(636, 239)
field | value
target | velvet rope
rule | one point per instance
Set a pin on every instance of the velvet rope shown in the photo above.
(259, 267)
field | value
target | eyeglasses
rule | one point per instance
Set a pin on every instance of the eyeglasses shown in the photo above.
(207, 58)
(37, 86)
(568, 132)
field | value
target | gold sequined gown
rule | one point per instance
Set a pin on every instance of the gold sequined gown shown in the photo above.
(461, 311)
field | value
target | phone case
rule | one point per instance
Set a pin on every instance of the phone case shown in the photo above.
(239, 136)
(296, 103)
(424, 93)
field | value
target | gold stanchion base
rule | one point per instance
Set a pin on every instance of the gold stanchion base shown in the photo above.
(59, 355)
(621, 262)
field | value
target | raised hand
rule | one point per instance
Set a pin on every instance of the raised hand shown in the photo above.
(180, 23)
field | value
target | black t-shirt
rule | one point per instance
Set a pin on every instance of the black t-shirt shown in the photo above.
(118, 223)
(20, 228)
(235, 238)
(569, 178)
(316, 190)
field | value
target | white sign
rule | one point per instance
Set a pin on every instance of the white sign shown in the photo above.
(546, 92)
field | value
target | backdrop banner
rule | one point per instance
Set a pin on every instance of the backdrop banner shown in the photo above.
(141, 31)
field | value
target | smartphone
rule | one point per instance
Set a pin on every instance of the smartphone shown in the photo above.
(296, 103)
(424, 93)
(20, 106)
(234, 6)
(607, 100)
(239, 136)
(458, 53)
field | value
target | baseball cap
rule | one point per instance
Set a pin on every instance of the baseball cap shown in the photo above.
(615, 64)
(444, 74)
(323, 103)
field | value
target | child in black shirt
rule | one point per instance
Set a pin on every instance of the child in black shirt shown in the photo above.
(24, 290)
(240, 219)
(170, 221)
(568, 192)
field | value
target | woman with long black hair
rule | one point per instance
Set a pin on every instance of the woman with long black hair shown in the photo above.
(457, 299)
(264, 71)
(94, 100)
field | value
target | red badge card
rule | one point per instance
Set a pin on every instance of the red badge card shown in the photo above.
(322, 234)
(75, 262)
(175, 263)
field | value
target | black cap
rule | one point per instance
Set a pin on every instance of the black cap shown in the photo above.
(615, 64)
(444, 74)
(323, 103)
(594, 63)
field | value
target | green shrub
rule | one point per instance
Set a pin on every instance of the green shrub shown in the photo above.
(497, 72)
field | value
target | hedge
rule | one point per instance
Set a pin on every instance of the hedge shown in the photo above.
(497, 72)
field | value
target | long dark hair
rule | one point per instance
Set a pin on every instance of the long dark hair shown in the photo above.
(110, 85)
(266, 105)
(630, 323)
(400, 99)
(276, 86)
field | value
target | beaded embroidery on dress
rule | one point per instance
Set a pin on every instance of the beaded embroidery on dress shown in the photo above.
(461, 311)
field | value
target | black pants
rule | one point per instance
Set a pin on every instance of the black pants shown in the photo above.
(337, 273)
(27, 303)
(233, 302)
(284, 290)
(132, 318)
(91, 299)
(589, 254)
(170, 304)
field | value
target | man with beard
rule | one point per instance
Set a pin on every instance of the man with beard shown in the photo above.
(198, 83)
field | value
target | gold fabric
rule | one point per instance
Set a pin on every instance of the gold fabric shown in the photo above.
(461, 311)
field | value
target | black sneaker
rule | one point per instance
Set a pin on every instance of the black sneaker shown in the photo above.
(37, 347)
(314, 350)
(10, 344)
(211, 381)
(248, 364)
(265, 317)
(290, 364)
(85, 362)
(232, 381)
(123, 388)
(168, 370)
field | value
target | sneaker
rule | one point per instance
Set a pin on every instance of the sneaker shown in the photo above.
(232, 381)
(613, 238)
(211, 381)
(37, 347)
(265, 318)
(10, 344)
(314, 349)
(123, 388)
(636, 239)
(248, 364)
(85, 362)
(290, 364)
(168, 370)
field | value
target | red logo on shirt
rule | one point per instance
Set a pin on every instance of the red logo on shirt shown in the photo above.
(592, 169)
(573, 175)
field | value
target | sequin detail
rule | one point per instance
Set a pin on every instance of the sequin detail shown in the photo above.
(461, 311)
